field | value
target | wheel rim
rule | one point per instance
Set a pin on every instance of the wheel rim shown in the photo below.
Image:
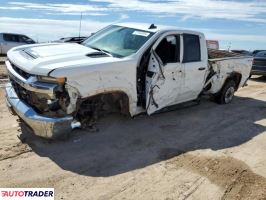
(229, 95)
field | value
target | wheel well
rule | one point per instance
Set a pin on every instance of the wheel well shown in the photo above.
(235, 77)
(102, 104)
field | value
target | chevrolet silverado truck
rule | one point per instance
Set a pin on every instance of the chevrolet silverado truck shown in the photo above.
(127, 67)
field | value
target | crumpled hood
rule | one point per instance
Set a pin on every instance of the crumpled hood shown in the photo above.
(41, 59)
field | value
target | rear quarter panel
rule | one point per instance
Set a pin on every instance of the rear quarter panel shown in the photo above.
(225, 67)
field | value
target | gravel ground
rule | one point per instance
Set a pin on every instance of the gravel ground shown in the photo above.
(204, 152)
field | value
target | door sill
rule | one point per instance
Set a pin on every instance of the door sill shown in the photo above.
(179, 106)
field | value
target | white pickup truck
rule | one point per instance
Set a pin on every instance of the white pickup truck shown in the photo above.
(130, 68)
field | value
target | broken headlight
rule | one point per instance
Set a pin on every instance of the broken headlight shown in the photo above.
(49, 79)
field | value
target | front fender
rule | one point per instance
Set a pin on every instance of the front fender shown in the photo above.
(114, 77)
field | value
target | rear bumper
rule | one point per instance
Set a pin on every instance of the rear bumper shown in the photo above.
(258, 70)
(47, 127)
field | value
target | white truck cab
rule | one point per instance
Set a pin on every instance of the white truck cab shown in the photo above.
(130, 68)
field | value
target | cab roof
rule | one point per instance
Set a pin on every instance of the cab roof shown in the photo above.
(158, 28)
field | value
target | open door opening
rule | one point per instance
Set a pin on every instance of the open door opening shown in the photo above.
(161, 86)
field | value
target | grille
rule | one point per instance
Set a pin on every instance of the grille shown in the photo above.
(21, 72)
(30, 98)
(21, 92)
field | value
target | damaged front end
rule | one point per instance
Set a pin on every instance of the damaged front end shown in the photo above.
(46, 104)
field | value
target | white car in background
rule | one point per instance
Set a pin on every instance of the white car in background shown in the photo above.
(10, 40)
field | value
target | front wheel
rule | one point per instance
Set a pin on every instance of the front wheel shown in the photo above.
(226, 95)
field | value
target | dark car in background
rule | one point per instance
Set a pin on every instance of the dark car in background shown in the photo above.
(243, 52)
(259, 64)
(256, 51)
(72, 39)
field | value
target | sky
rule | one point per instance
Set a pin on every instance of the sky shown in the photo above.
(237, 24)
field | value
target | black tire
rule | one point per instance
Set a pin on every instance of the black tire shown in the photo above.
(226, 95)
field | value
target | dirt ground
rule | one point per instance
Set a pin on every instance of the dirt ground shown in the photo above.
(204, 152)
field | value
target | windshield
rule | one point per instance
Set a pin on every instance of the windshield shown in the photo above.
(261, 54)
(118, 41)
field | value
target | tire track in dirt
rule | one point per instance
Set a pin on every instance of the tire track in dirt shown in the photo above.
(195, 186)
(14, 151)
(236, 179)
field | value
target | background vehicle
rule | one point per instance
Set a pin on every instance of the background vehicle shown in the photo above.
(256, 51)
(127, 68)
(72, 39)
(10, 40)
(259, 64)
(244, 52)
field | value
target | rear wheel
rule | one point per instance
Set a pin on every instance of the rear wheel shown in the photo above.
(226, 95)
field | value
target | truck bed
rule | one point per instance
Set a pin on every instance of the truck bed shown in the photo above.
(223, 63)
(214, 54)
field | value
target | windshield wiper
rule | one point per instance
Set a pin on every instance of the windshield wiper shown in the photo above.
(102, 50)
